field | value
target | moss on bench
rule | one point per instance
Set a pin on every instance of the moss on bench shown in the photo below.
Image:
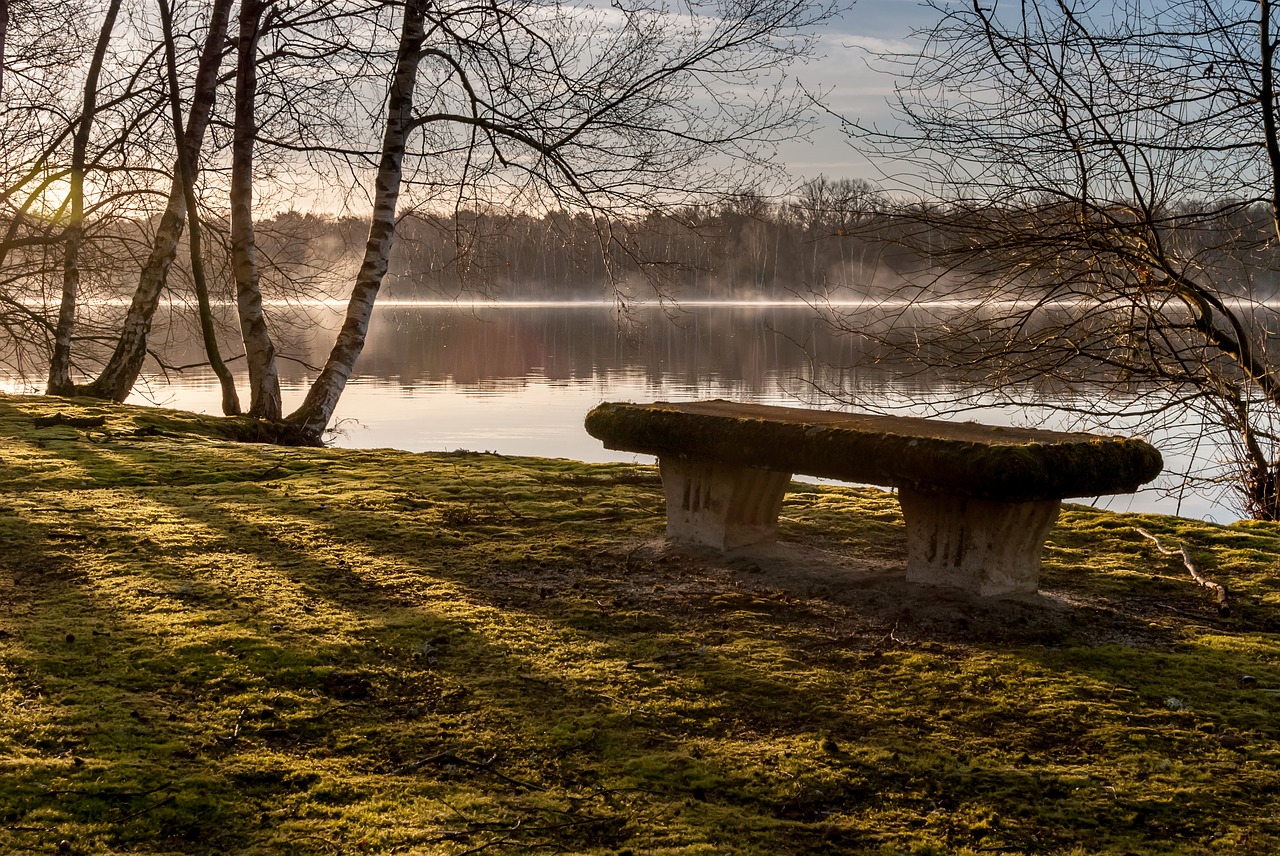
(1008, 464)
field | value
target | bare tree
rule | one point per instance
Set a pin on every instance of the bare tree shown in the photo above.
(260, 352)
(4, 32)
(41, 208)
(835, 207)
(316, 411)
(60, 362)
(121, 370)
(1101, 187)
(185, 175)
(542, 105)
(603, 116)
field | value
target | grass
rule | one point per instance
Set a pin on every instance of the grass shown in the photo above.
(218, 647)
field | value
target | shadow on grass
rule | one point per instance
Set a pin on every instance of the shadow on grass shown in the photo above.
(473, 653)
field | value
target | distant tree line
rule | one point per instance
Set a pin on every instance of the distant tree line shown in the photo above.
(745, 246)
(831, 239)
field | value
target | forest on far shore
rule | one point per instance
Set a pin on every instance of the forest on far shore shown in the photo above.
(833, 238)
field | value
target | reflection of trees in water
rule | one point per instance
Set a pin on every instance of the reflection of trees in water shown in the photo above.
(1078, 358)
(754, 348)
(872, 362)
(304, 334)
(758, 350)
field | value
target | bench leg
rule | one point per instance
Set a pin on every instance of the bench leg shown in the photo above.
(983, 546)
(721, 506)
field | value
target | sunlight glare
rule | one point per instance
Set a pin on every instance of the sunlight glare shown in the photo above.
(52, 203)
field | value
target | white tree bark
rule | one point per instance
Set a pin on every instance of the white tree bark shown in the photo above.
(317, 409)
(187, 174)
(60, 363)
(260, 352)
(118, 376)
(4, 33)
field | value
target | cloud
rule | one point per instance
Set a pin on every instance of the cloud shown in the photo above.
(865, 45)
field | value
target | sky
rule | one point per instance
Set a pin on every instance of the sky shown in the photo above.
(849, 86)
(839, 72)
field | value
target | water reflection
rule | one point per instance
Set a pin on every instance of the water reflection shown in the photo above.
(519, 379)
(750, 351)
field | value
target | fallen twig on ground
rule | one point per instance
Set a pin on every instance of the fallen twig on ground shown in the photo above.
(1218, 589)
(448, 757)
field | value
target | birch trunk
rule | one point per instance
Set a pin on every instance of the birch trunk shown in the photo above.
(60, 363)
(187, 175)
(125, 364)
(313, 416)
(4, 35)
(260, 352)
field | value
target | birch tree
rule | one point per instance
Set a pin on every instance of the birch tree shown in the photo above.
(41, 109)
(260, 352)
(185, 174)
(317, 409)
(614, 115)
(60, 362)
(118, 375)
(4, 32)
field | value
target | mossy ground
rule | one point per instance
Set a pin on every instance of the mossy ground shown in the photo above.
(212, 647)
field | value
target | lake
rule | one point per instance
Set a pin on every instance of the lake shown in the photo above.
(517, 378)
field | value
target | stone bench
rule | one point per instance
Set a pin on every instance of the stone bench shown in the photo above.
(978, 500)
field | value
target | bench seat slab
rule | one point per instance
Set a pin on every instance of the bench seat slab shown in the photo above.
(987, 547)
(721, 505)
(979, 500)
(1010, 464)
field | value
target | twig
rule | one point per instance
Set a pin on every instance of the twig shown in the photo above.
(509, 832)
(448, 757)
(151, 807)
(486, 766)
(1219, 590)
(1198, 616)
(423, 762)
(269, 473)
(235, 731)
(331, 845)
(106, 792)
(599, 792)
(892, 635)
(492, 841)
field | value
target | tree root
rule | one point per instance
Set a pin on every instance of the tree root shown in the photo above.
(1219, 590)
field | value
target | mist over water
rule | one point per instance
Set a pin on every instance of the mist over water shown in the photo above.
(518, 378)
